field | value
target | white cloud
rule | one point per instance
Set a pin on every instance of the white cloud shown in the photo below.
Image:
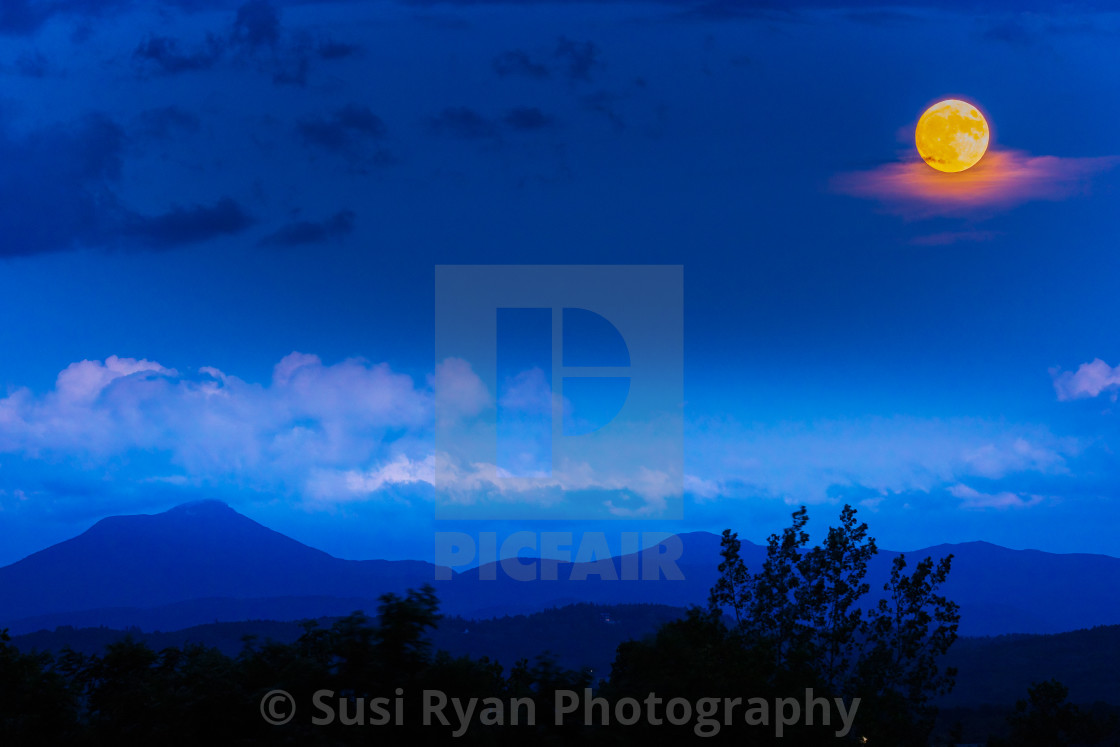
(1020, 455)
(1003, 179)
(528, 393)
(974, 499)
(459, 391)
(354, 431)
(214, 428)
(326, 434)
(84, 381)
(809, 462)
(1089, 380)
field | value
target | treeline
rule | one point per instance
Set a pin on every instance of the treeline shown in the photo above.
(789, 636)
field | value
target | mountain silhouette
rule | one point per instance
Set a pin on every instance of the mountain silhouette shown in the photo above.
(195, 551)
(204, 562)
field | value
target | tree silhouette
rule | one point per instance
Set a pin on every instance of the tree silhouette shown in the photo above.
(1046, 717)
(37, 706)
(909, 632)
(733, 588)
(834, 585)
(805, 609)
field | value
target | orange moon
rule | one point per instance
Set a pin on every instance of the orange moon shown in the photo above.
(952, 135)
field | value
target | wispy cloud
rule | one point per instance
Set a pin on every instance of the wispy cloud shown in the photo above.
(344, 129)
(580, 58)
(26, 17)
(945, 238)
(1089, 380)
(518, 62)
(165, 121)
(59, 186)
(464, 122)
(183, 225)
(808, 462)
(974, 499)
(1002, 179)
(306, 232)
(527, 119)
(55, 185)
(257, 25)
(164, 54)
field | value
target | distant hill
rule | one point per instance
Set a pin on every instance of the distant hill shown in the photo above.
(1000, 591)
(580, 636)
(203, 563)
(991, 671)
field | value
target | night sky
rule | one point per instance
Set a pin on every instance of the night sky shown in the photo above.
(220, 222)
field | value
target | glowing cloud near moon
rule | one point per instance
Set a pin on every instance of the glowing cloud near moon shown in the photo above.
(952, 135)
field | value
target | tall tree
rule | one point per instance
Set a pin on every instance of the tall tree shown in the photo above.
(778, 617)
(835, 581)
(806, 610)
(909, 632)
(733, 589)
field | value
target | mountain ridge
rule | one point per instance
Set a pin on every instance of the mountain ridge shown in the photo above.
(204, 561)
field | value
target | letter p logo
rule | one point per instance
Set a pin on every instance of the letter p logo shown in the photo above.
(583, 366)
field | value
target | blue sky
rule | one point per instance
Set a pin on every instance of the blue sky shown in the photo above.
(219, 228)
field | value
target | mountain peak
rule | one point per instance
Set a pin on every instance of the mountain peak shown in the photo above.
(195, 551)
(203, 508)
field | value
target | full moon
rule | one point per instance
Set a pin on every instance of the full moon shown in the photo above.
(952, 135)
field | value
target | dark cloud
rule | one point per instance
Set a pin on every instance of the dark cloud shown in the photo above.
(26, 17)
(461, 121)
(517, 62)
(54, 186)
(187, 225)
(292, 61)
(605, 103)
(58, 192)
(1038, 29)
(21, 17)
(883, 17)
(302, 233)
(342, 130)
(165, 121)
(360, 119)
(325, 134)
(294, 72)
(527, 118)
(730, 10)
(257, 25)
(1010, 30)
(32, 64)
(329, 49)
(581, 58)
(163, 53)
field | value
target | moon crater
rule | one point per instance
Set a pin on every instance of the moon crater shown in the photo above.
(952, 135)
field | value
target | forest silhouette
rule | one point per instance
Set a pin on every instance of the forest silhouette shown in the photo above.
(801, 621)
